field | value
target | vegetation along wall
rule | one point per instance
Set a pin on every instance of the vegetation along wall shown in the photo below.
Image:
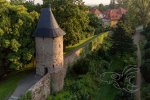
(86, 48)
(43, 87)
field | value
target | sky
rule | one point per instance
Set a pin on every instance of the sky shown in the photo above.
(93, 2)
(87, 2)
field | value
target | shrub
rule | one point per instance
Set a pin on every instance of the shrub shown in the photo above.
(98, 31)
(145, 92)
(146, 32)
(145, 70)
(27, 96)
(101, 52)
(81, 67)
(90, 29)
(147, 45)
(147, 54)
(147, 36)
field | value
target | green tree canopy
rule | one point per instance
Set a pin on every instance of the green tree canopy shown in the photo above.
(96, 23)
(16, 42)
(16, 2)
(72, 18)
(121, 39)
(141, 9)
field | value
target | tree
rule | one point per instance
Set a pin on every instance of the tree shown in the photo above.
(112, 4)
(142, 10)
(72, 18)
(16, 43)
(17, 2)
(96, 23)
(121, 39)
(47, 2)
(32, 7)
(102, 7)
(122, 3)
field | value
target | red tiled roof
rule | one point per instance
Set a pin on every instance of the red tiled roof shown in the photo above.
(114, 14)
(95, 11)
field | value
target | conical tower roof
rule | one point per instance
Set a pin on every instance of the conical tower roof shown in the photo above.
(47, 25)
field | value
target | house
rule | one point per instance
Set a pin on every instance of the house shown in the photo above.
(96, 12)
(112, 16)
(106, 18)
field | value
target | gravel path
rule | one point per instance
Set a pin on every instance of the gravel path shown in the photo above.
(137, 38)
(24, 85)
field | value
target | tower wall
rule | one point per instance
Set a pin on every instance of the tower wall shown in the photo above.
(49, 54)
(41, 51)
(49, 59)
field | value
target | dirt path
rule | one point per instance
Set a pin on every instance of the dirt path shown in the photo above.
(137, 37)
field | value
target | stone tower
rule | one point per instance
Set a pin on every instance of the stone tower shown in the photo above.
(49, 48)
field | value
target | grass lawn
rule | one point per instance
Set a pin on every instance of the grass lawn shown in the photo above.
(72, 47)
(8, 85)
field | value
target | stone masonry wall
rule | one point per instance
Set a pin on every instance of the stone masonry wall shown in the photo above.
(43, 87)
(49, 54)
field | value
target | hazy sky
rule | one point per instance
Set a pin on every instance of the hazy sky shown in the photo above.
(96, 1)
(89, 2)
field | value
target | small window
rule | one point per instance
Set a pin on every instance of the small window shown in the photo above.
(59, 45)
